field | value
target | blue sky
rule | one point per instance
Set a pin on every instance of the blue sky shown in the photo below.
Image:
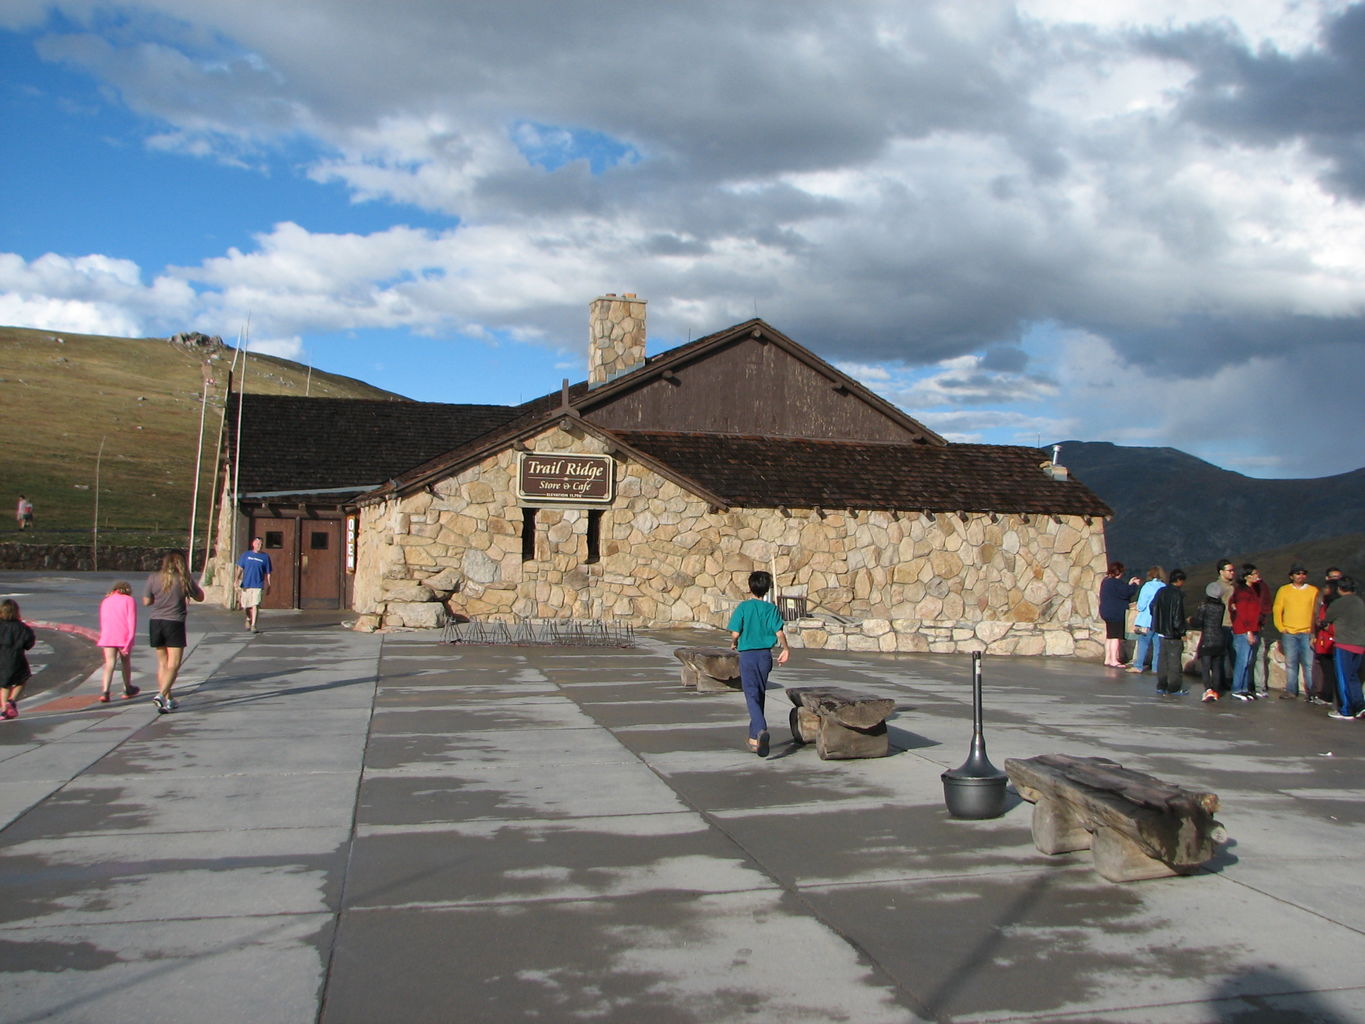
(1022, 222)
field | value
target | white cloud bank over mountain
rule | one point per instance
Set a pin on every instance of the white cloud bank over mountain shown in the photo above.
(1131, 222)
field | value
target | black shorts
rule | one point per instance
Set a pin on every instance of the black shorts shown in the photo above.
(166, 633)
(1113, 629)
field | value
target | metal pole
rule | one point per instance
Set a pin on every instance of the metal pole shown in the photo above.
(198, 468)
(95, 531)
(976, 693)
(237, 464)
(218, 462)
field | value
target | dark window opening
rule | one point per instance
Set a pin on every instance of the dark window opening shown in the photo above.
(594, 535)
(317, 540)
(528, 534)
(274, 539)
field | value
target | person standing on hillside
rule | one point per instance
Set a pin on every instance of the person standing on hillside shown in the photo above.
(1346, 615)
(1324, 689)
(1226, 582)
(167, 593)
(24, 513)
(1115, 597)
(253, 578)
(1168, 626)
(1209, 618)
(1293, 616)
(1147, 638)
(1260, 652)
(1246, 629)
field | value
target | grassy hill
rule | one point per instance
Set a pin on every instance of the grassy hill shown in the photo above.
(62, 396)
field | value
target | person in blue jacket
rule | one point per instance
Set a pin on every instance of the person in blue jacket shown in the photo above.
(1148, 639)
(755, 625)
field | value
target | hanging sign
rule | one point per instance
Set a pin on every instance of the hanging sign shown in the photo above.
(565, 476)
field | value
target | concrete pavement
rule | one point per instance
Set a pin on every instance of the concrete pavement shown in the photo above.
(342, 827)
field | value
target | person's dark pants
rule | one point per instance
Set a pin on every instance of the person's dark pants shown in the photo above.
(1212, 667)
(1170, 668)
(754, 667)
(1349, 699)
(1323, 685)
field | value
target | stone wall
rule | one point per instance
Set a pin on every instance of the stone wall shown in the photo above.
(219, 589)
(943, 582)
(616, 336)
(78, 558)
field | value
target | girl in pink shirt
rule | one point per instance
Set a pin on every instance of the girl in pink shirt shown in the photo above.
(118, 627)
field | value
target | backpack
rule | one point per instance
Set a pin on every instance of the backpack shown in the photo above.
(1325, 639)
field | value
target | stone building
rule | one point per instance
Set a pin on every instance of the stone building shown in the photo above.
(649, 491)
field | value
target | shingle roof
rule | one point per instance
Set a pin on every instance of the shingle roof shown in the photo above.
(768, 472)
(294, 445)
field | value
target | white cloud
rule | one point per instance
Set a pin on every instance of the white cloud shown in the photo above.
(90, 294)
(285, 348)
(911, 188)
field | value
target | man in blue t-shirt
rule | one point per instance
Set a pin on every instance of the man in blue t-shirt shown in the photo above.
(253, 578)
(754, 627)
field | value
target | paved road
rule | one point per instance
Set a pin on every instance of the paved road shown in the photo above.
(339, 827)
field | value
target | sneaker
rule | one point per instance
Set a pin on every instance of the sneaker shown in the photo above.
(11, 710)
(130, 692)
(1242, 695)
(1339, 716)
(104, 697)
(1289, 696)
(1209, 695)
(161, 706)
(763, 741)
(172, 703)
(1178, 693)
(1316, 700)
(1360, 713)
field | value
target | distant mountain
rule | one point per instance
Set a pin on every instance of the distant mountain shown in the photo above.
(1171, 508)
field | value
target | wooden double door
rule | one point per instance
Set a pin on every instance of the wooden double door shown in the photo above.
(306, 561)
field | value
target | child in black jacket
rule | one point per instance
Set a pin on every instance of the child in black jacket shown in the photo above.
(15, 638)
(1168, 623)
(1208, 619)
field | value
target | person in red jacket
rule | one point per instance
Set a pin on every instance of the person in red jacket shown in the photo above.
(1248, 612)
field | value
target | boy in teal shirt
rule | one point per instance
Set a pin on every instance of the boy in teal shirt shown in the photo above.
(754, 627)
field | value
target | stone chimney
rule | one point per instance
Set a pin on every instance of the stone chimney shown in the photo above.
(616, 336)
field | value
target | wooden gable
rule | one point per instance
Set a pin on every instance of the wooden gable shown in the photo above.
(751, 381)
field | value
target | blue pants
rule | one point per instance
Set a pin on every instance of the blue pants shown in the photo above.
(1298, 658)
(1349, 700)
(754, 667)
(1145, 642)
(1241, 672)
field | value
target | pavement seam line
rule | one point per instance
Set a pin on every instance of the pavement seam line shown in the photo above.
(326, 981)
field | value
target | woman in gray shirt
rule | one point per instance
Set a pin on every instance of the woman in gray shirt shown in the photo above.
(167, 594)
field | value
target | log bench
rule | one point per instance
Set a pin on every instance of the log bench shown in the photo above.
(843, 724)
(709, 669)
(1136, 826)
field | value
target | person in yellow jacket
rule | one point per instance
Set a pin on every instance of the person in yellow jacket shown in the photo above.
(1293, 613)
